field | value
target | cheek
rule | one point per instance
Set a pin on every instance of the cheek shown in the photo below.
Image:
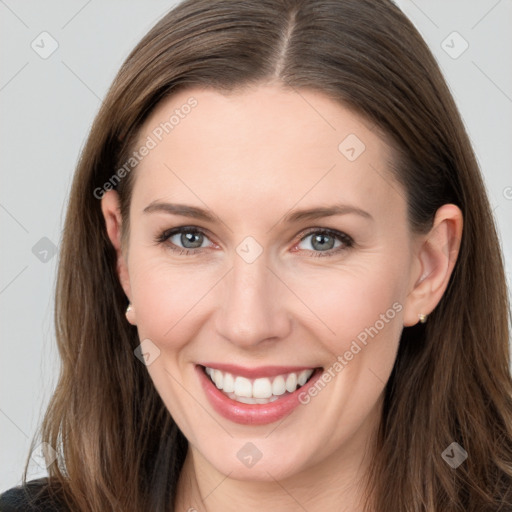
(168, 298)
(354, 303)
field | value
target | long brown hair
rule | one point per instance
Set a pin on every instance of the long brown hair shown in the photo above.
(119, 448)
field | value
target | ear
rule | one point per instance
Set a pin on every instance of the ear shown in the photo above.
(111, 209)
(435, 257)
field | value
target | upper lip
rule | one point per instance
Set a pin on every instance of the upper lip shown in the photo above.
(258, 371)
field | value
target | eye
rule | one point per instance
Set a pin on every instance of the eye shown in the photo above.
(319, 242)
(184, 239)
(325, 241)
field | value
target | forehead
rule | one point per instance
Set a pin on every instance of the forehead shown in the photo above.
(262, 147)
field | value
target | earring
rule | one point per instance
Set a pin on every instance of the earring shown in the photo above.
(130, 314)
(423, 318)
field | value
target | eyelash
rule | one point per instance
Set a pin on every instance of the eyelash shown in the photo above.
(346, 240)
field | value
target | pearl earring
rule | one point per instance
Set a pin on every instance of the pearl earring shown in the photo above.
(423, 318)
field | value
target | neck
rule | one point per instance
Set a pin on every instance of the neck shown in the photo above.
(336, 484)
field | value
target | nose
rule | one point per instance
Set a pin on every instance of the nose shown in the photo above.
(253, 308)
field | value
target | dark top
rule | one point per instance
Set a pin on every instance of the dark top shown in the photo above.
(33, 497)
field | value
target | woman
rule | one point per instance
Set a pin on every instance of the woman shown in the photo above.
(280, 284)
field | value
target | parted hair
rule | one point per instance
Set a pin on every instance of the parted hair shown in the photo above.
(118, 446)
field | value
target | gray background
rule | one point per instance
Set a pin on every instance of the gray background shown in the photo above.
(48, 105)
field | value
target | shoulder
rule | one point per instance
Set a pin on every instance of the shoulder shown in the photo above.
(34, 496)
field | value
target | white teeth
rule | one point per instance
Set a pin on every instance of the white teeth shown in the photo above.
(279, 386)
(303, 377)
(262, 388)
(266, 400)
(291, 383)
(245, 400)
(259, 391)
(229, 383)
(243, 387)
(218, 378)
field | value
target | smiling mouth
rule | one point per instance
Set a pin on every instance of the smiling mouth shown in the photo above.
(262, 390)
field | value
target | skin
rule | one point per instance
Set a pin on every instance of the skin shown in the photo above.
(250, 158)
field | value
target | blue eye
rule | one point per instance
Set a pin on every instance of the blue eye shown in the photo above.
(190, 240)
(184, 240)
(325, 241)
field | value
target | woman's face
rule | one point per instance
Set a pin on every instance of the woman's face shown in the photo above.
(268, 240)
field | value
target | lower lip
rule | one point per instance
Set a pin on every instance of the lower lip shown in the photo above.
(253, 414)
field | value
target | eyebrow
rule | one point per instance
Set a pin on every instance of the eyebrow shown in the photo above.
(326, 211)
(294, 216)
(180, 209)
